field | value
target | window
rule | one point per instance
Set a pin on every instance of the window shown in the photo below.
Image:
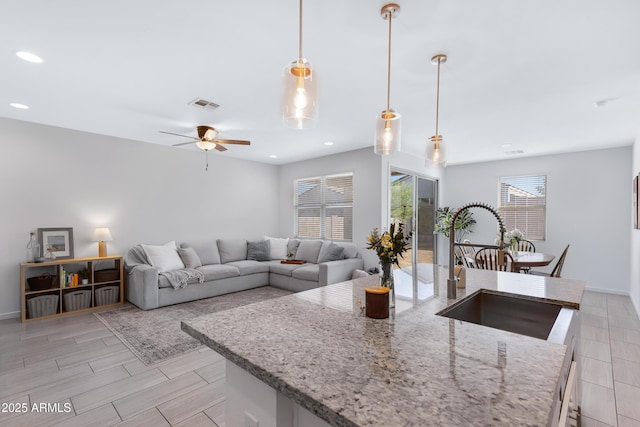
(523, 204)
(324, 207)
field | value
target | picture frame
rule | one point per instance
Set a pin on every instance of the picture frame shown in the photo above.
(636, 204)
(59, 239)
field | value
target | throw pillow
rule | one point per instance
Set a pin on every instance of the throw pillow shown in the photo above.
(259, 251)
(333, 253)
(308, 250)
(278, 247)
(165, 257)
(292, 247)
(232, 250)
(189, 257)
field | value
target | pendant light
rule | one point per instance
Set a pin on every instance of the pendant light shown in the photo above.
(300, 98)
(436, 147)
(387, 139)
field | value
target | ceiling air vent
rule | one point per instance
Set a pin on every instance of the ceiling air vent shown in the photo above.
(204, 104)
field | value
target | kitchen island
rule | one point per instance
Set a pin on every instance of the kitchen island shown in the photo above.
(315, 354)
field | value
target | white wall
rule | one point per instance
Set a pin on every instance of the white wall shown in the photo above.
(635, 237)
(367, 191)
(145, 193)
(588, 205)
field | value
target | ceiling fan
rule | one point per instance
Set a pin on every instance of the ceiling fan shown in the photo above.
(206, 141)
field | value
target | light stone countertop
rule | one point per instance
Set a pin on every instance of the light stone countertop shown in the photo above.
(415, 368)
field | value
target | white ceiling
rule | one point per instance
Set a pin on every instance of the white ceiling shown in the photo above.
(525, 73)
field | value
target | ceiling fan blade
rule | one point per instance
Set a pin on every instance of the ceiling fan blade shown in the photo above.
(184, 143)
(232, 141)
(177, 134)
(220, 147)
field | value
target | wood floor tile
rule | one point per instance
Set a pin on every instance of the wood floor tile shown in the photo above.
(87, 356)
(111, 340)
(189, 404)
(199, 420)
(593, 320)
(63, 350)
(589, 422)
(94, 335)
(136, 403)
(596, 372)
(598, 403)
(26, 379)
(43, 416)
(19, 400)
(626, 371)
(189, 362)
(596, 311)
(594, 299)
(593, 333)
(105, 415)
(627, 397)
(152, 417)
(111, 360)
(624, 322)
(74, 385)
(213, 372)
(116, 390)
(595, 350)
(625, 350)
(218, 413)
(627, 422)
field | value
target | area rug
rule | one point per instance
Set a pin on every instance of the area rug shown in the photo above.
(155, 335)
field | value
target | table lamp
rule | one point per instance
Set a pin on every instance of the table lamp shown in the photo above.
(102, 236)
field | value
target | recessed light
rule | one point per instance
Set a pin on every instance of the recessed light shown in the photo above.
(507, 145)
(328, 143)
(18, 105)
(28, 56)
(273, 156)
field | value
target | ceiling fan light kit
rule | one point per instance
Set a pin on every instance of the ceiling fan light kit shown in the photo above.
(300, 97)
(435, 154)
(388, 131)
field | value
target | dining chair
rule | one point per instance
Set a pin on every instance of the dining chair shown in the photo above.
(461, 257)
(526, 246)
(487, 259)
(557, 269)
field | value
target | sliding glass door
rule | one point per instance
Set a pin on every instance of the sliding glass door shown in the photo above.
(413, 201)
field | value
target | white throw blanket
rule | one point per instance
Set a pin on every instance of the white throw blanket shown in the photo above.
(177, 278)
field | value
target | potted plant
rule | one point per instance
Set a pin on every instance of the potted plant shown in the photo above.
(464, 221)
(83, 275)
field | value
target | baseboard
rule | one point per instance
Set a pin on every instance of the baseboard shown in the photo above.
(606, 291)
(10, 315)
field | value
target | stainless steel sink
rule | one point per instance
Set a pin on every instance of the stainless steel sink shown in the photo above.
(509, 313)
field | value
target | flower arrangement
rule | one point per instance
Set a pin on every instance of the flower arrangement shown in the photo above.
(389, 245)
(511, 239)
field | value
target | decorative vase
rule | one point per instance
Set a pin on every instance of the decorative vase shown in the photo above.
(386, 280)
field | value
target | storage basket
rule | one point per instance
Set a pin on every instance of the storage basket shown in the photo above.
(40, 283)
(77, 300)
(44, 305)
(107, 295)
(106, 275)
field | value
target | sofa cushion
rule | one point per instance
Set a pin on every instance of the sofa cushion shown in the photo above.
(307, 272)
(189, 257)
(278, 247)
(250, 267)
(164, 257)
(259, 251)
(333, 252)
(350, 249)
(207, 251)
(309, 250)
(218, 271)
(283, 269)
(232, 250)
(292, 247)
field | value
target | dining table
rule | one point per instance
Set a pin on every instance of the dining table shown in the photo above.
(523, 260)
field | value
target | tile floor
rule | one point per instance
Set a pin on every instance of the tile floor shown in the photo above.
(78, 362)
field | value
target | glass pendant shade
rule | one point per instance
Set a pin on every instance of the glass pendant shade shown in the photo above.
(206, 145)
(436, 153)
(388, 133)
(300, 98)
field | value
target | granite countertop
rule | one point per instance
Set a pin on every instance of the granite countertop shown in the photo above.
(415, 368)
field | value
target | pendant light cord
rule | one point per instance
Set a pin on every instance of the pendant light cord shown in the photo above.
(438, 98)
(300, 33)
(389, 64)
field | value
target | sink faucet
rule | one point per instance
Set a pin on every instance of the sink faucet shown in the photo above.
(451, 282)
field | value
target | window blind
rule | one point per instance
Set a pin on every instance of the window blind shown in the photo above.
(522, 203)
(324, 207)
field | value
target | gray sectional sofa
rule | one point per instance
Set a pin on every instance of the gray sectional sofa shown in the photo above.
(163, 275)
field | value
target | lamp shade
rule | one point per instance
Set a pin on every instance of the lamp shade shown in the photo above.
(388, 133)
(102, 235)
(436, 152)
(300, 98)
